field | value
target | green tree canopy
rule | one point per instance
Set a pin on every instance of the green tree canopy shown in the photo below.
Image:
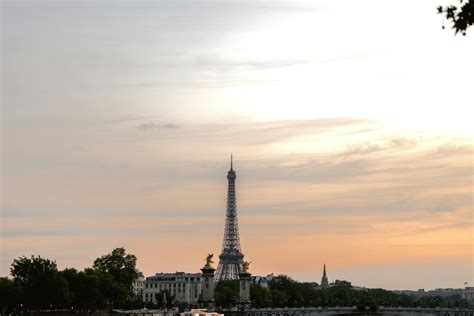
(259, 296)
(226, 293)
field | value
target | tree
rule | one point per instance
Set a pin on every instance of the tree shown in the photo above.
(121, 266)
(84, 289)
(116, 272)
(29, 270)
(39, 283)
(286, 292)
(259, 296)
(278, 298)
(8, 296)
(227, 293)
(164, 299)
(462, 17)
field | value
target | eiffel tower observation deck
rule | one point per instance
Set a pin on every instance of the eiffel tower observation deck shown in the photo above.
(231, 258)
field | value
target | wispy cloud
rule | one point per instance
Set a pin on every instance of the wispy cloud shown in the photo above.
(441, 228)
(220, 65)
(258, 133)
(156, 126)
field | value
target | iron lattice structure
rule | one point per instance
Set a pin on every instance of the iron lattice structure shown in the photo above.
(231, 257)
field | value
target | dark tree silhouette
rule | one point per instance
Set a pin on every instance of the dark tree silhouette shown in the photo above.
(116, 272)
(84, 288)
(28, 270)
(40, 285)
(120, 265)
(227, 293)
(461, 16)
(9, 296)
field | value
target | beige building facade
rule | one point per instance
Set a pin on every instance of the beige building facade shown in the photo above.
(139, 284)
(183, 287)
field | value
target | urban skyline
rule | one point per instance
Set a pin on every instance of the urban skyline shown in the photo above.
(230, 243)
(353, 138)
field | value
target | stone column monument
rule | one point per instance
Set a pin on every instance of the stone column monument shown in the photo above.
(244, 286)
(207, 280)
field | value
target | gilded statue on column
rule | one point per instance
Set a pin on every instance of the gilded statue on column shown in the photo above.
(245, 266)
(209, 260)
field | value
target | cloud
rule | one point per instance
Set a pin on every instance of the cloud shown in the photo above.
(210, 70)
(315, 171)
(264, 133)
(156, 126)
(449, 150)
(221, 65)
(441, 228)
(129, 119)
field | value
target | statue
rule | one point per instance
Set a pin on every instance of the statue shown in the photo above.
(209, 260)
(245, 266)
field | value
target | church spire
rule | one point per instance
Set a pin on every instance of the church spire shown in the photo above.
(324, 279)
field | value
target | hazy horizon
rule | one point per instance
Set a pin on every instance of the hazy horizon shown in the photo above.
(349, 123)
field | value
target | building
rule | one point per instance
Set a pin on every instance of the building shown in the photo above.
(231, 257)
(468, 294)
(446, 292)
(262, 280)
(139, 284)
(181, 287)
(341, 282)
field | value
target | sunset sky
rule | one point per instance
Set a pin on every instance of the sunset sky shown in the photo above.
(349, 122)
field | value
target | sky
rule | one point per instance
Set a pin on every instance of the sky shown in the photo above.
(349, 122)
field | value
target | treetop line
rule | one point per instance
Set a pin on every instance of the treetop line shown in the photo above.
(38, 285)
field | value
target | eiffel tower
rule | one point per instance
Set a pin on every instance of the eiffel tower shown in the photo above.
(231, 258)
